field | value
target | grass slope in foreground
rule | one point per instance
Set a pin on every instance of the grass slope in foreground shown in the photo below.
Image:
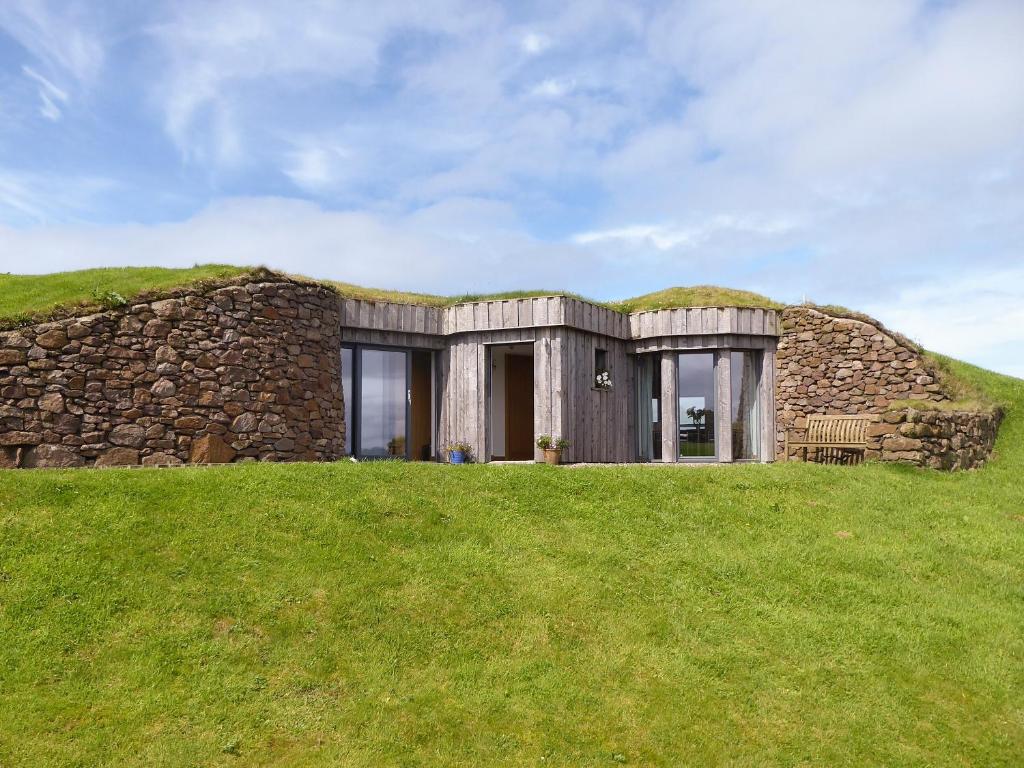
(395, 614)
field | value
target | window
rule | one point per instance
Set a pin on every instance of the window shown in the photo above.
(744, 372)
(347, 392)
(697, 405)
(602, 376)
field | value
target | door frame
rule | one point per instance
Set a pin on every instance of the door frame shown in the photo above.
(355, 427)
(489, 389)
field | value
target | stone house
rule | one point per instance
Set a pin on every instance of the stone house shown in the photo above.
(277, 369)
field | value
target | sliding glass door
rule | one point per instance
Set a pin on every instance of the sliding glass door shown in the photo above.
(383, 397)
(389, 402)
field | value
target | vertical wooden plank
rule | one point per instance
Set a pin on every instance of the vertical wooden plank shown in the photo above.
(723, 405)
(743, 325)
(556, 311)
(557, 385)
(757, 321)
(669, 407)
(525, 308)
(540, 311)
(483, 397)
(695, 320)
(541, 387)
(708, 320)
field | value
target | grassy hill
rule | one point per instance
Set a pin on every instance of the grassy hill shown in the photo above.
(394, 614)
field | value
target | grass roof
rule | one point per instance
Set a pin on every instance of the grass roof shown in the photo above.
(26, 299)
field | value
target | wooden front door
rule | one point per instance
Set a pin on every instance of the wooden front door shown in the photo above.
(519, 408)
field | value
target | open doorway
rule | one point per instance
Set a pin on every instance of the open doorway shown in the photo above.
(511, 417)
(420, 406)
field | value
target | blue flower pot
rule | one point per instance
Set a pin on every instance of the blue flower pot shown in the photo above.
(456, 457)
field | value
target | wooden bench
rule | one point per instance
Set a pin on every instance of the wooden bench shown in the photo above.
(834, 439)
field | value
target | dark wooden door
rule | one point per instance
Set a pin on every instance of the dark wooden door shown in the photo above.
(518, 408)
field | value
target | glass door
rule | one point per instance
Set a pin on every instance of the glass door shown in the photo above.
(697, 406)
(383, 403)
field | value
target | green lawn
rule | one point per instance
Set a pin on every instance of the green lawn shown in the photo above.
(395, 614)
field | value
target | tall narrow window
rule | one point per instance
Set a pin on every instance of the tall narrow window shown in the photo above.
(602, 376)
(383, 396)
(347, 392)
(745, 413)
(697, 405)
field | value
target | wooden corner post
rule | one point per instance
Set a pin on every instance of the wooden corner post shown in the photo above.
(670, 406)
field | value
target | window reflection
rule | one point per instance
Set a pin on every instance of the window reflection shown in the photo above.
(743, 372)
(697, 405)
(382, 396)
(347, 393)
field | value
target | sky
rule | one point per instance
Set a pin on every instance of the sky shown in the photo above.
(866, 153)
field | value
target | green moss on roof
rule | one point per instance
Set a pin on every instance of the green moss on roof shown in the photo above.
(32, 298)
(695, 296)
(349, 290)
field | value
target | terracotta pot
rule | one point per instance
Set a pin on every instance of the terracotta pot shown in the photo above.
(553, 456)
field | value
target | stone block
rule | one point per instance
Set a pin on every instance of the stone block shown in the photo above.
(52, 402)
(211, 449)
(129, 435)
(55, 338)
(20, 438)
(118, 457)
(51, 456)
(161, 459)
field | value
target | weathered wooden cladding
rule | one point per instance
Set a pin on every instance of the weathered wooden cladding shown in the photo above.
(702, 321)
(547, 311)
(565, 332)
(597, 422)
(391, 316)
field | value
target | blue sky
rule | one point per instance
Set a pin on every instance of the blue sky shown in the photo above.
(863, 153)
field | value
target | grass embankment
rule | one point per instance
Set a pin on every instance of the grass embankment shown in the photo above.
(394, 614)
(28, 298)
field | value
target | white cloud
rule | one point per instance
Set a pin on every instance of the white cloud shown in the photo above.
(213, 51)
(49, 95)
(318, 166)
(669, 238)
(35, 198)
(552, 88)
(63, 36)
(534, 43)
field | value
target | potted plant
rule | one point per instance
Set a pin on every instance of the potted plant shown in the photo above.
(458, 452)
(552, 447)
(602, 380)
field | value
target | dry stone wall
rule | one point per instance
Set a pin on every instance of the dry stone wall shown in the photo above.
(839, 365)
(244, 371)
(936, 439)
